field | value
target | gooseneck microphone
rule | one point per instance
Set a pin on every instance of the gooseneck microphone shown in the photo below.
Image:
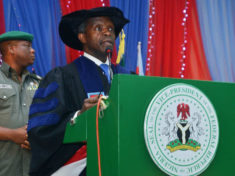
(109, 52)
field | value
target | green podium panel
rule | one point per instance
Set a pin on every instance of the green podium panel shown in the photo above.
(121, 130)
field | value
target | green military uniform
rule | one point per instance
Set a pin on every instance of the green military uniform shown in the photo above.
(15, 99)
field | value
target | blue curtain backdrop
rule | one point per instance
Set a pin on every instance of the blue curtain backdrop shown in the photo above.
(40, 18)
(217, 23)
(137, 11)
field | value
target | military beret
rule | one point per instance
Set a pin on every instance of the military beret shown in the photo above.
(16, 35)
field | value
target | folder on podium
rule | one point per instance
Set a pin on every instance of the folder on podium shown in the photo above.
(157, 126)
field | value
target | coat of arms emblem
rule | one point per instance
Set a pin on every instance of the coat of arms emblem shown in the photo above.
(181, 130)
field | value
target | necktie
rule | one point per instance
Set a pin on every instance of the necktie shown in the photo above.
(105, 68)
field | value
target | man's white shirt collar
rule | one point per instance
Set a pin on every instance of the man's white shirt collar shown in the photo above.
(94, 59)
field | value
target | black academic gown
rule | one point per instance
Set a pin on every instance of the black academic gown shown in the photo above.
(61, 93)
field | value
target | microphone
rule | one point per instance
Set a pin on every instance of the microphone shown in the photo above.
(109, 52)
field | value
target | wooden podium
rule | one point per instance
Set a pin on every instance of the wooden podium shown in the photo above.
(121, 130)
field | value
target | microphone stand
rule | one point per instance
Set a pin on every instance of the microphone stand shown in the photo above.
(109, 56)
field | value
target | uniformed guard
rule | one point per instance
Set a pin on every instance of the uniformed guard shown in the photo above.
(17, 87)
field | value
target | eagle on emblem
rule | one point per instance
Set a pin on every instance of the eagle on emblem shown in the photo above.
(183, 133)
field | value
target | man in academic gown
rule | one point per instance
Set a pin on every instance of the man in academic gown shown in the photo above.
(67, 91)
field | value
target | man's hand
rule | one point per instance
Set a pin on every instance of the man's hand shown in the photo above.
(89, 103)
(26, 145)
(20, 136)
